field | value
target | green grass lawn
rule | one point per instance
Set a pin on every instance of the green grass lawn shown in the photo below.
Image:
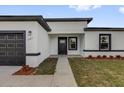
(47, 67)
(101, 73)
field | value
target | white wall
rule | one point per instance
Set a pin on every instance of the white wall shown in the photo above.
(82, 44)
(67, 27)
(92, 42)
(32, 42)
(43, 44)
(54, 44)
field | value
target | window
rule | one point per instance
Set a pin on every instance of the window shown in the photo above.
(62, 41)
(72, 43)
(105, 42)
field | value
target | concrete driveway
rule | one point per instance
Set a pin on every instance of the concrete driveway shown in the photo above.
(8, 70)
(9, 80)
(26, 81)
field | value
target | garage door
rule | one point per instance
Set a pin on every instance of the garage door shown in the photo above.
(12, 48)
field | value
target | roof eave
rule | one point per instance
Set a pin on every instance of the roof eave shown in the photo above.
(37, 18)
(67, 19)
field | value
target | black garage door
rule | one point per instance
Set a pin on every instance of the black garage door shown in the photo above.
(12, 48)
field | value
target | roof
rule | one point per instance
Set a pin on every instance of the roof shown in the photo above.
(103, 29)
(37, 18)
(67, 19)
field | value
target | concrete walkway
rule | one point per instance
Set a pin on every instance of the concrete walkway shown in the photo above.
(63, 76)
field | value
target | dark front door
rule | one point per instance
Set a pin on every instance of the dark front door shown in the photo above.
(12, 49)
(62, 45)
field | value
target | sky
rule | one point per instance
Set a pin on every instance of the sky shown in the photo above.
(103, 15)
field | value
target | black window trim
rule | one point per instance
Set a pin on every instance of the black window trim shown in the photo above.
(109, 42)
(69, 43)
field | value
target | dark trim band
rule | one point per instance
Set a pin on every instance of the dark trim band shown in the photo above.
(103, 29)
(33, 54)
(103, 50)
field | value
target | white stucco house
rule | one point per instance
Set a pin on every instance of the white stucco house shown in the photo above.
(28, 40)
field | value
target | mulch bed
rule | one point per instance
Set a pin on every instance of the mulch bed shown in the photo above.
(25, 70)
(105, 58)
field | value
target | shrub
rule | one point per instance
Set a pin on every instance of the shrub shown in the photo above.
(118, 56)
(104, 56)
(90, 56)
(122, 57)
(99, 56)
(111, 57)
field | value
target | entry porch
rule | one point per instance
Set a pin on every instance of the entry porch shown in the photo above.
(66, 44)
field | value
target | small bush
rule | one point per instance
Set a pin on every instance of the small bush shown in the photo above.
(122, 57)
(99, 56)
(118, 56)
(104, 56)
(111, 57)
(90, 56)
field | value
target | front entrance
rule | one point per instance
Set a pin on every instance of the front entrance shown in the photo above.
(62, 45)
(12, 48)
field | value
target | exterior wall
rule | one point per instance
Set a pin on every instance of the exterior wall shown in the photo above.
(54, 44)
(67, 27)
(31, 41)
(92, 42)
(82, 44)
(43, 44)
